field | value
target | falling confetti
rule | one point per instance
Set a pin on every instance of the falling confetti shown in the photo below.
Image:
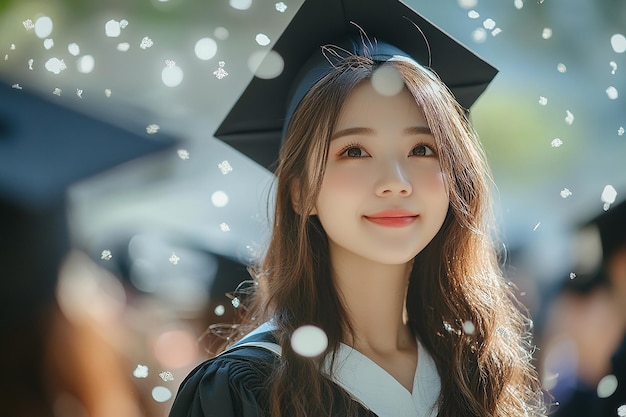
(55, 65)
(79, 93)
(112, 28)
(556, 143)
(183, 154)
(387, 81)
(43, 27)
(48, 44)
(123, 46)
(73, 49)
(152, 128)
(621, 410)
(30, 64)
(613, 66)
(281, 7)
(519, 4)
(569, 117)
(489, 24)
(473, 14)
(536, 227)
(107, 92)
(612, 93)
(608, 196)
(572, 275)
(106, 255)
(565, 192)
(220, 73)
(171, 75)
(123, 23)
(262, 39)
(309, 341)
(141, 371)
(496, 32)
(224, 227)
(17, 86)
(618, 43)
(620, 131)
(479, 35)
(607, 386)
(28, 24)
(543, 100)
(166, 376)
(219, 310)
(85, 64)
(225, 167)
(240, 4)
(205, 48)
(468, 327)
(466, 4)
(12, 47)
(236, 302)
(174, 259)
(161, 394)
(561, 68)
(57, 92)
(219, 199)
(546, 33)
(146, 43)
(221, 33)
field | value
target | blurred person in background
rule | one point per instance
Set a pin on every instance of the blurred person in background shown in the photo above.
(584, 341)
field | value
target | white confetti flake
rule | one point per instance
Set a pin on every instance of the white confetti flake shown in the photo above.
(569, 117)
(28, 24)
(621, 410)
(612, 93)
(536, 227)
(236, 302)
(146, 43)
(141, 371)
(262, 39)
(85, 64)
(79, 93)
(221, 33)
(48, 43)
(565, 192)
(281, 7)
(174, 259)
(73, 49)
(561, 68)
(55, 65)
(479, 35)
(467, 4)
(387, 81)
(106, 255)
(123, 46)
(17, 86)
(473, 14)
(496, 32)
(546, 33)
(30, 64)
(609, 194)
(166, 376)
(152, 128)
(123, 23)
(620, 131)
(219, 310)
(112, 28)
(618, 43)
(489, 24)
(107, 92)
(309, 341)
(572, 275)
(468, 327)
(183, 154)
(12, 47)
(219, 199)
(266, 65)
(556, 143)
(161, 394)
(224, 227)
(240, 4)
(607, 386)
(220, 73)
(172, 75)
(613, 66)
(6, 57)
(225, 167)
(43, 27)
(519, 4)
(205, 48)
(543, 101)
(57, 91)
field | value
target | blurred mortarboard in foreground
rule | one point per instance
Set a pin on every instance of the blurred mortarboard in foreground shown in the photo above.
(611, 226)
(254, 125)
(44, 149)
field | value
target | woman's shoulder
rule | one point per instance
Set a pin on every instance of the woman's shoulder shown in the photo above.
(234, 383)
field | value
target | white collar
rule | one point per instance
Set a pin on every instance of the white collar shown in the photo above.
(377, 390)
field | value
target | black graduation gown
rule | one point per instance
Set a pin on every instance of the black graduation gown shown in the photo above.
(233, 384)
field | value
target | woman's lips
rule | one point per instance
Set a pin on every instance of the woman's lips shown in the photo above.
(392, 218)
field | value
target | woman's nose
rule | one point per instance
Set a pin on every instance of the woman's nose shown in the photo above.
(393, 180)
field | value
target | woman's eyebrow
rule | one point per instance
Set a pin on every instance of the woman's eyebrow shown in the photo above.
(414, 130)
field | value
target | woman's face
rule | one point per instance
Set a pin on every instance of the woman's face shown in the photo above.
(383, 196)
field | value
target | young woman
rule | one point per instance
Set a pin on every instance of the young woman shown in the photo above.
(382, 238)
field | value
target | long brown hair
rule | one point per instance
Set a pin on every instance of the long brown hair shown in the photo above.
(455, 280)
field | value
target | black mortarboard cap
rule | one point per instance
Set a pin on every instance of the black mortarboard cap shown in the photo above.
(254, 125)
(44, 149)
(611, 226)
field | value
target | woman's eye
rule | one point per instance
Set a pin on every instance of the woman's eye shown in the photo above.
(422, 150)
(354, 152)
